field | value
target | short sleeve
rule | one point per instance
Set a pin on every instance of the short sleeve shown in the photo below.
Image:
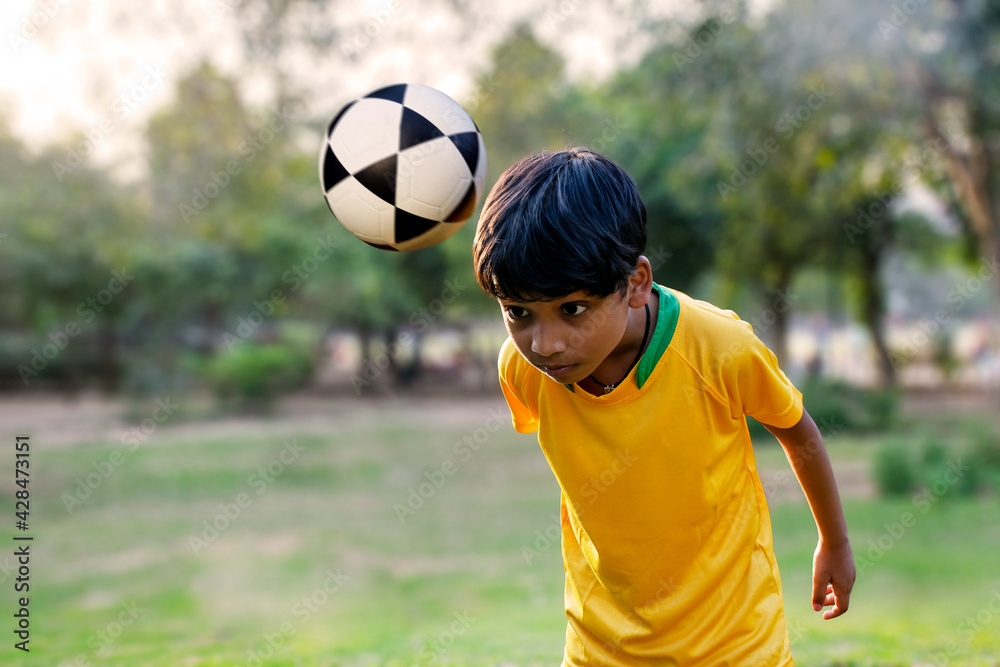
(758, 387)
(521, 414)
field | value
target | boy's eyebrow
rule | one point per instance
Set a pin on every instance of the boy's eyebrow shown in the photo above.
(566, 299)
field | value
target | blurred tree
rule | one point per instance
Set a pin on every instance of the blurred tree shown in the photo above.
(383, 296)
(953, 65)
(526, 101)
(765, 140)
(234, 217)
(807, 142)
(65, 275)
(880, 129)
(658, 126)
(214, 181)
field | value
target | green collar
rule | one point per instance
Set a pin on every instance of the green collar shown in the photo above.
(666, 323)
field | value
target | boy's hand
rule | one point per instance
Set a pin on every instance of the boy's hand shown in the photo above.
(833, 564)
(833, 578)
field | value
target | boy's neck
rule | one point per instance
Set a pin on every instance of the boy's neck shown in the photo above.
(617, 365)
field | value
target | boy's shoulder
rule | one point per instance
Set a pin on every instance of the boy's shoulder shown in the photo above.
(714, 341)
(703, 321)
(508, 354)
(513, 366)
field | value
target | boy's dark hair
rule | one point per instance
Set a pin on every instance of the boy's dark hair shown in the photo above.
(555, 223)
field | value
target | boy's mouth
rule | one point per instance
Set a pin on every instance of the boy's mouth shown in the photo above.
(557, 371)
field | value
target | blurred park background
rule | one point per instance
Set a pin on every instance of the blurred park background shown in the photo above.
(257, 440)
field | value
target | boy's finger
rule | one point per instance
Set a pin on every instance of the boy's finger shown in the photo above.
(820, 592)
(834, 613)
(842, 601)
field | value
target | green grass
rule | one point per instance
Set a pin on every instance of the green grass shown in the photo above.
(916, 585)
(318, 569)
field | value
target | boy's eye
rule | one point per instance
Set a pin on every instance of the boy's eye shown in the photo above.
(574, 309)
(515, 312)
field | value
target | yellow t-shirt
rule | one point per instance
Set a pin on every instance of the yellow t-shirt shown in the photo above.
(666, 536)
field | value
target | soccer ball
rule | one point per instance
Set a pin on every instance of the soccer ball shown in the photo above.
(403, 167)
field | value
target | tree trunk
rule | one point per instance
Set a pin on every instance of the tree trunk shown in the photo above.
(971, 176)
(781, 307)
(781, 336)
(873, 313)
(405, 370)
(211, 317)
(363, 380)
(971, 172)
(107, 357)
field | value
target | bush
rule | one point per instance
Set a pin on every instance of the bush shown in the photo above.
(895, 472)
(757, 430)
(253, 375)
(937, 468)
(837, 406)
(985, 446)
(849, 406)
(984, 455)
(36, 361)
(943, 471)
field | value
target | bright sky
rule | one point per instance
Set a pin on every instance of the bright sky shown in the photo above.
(94, 66)
(75, 66)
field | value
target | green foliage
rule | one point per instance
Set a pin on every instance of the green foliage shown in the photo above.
(935, 469)
(840, 407)
(839, 404)
(757, 430)
(520, 105)
(894, 471)
(984, 455)
(253, 374)
(945, 472)
(20, 354)
(658, 123)
(985, 445)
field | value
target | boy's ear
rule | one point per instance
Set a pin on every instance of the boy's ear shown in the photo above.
(640, 283)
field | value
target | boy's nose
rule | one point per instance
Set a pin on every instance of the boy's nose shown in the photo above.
(547, 340)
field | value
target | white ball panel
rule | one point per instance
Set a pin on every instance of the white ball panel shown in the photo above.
(433, 177)
(361, 212)
(367, 132)
(480, 174)
(447, 114)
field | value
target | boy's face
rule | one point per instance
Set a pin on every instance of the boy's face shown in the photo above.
(569, 337)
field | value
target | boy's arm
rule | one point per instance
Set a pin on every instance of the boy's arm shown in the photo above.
(833, 563)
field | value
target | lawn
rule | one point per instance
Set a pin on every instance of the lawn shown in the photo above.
(419, 534)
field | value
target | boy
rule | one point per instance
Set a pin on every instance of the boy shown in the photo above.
(638, 395)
